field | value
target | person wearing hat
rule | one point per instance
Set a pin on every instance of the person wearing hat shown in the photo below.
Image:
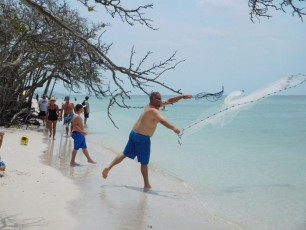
(78, 135)
(52, 117)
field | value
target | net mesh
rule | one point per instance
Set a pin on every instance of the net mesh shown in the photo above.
(209, 96)
(237, 101)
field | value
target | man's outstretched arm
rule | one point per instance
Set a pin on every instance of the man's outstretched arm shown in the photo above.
(176, 99)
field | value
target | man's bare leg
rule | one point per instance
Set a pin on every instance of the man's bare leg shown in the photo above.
(49, 126)
(116, 161)
(67, 130)
(73, 155)
(145, 174)
(88, 157)
(53, 129)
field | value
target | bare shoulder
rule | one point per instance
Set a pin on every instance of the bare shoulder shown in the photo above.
(151, 110)
(76, 117)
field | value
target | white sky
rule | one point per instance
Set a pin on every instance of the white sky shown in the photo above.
(220, 43)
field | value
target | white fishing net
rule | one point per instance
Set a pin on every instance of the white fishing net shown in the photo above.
(238, 101)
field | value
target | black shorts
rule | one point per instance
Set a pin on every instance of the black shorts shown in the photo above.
(42, 114)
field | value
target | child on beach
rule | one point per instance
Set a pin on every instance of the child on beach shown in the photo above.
(139, 143)
(78, 135)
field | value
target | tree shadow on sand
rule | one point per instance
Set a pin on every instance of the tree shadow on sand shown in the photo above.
(13, 222)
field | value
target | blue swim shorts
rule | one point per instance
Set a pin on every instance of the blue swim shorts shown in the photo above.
(138, 145)
(79, 140)
(68, 118)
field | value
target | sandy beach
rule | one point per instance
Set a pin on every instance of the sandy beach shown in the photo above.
(32, 195)
(40, 190)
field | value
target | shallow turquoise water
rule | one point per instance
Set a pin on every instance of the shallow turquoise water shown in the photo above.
(250, 170)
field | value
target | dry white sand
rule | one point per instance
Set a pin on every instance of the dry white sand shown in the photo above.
(32, 195)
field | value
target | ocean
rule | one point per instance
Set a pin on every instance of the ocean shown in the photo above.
(250, 168)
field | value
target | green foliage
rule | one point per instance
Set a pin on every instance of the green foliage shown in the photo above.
(16, 24)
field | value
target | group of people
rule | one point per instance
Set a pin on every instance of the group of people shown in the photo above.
(138, 144)
(70, 114)
(50, 113)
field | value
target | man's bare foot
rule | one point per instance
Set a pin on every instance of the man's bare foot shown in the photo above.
(91, 161)
(72, 164)
(105, 173)
(147, 187)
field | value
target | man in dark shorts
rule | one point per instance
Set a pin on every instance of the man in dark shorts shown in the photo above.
(139, 143)
(42, 105)
(85, 103)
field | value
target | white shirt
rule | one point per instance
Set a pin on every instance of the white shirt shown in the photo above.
(43, 104)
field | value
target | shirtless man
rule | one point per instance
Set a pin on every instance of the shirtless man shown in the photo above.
(67, 112)
(139, 139)
(78, 135)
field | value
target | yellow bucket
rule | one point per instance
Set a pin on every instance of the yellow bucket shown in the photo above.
(24, 140)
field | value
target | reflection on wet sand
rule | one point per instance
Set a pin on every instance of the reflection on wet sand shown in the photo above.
(58, 156)
(119, 202)
(128, 212)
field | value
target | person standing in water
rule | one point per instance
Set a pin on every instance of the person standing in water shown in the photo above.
(67, 111)
(139, 143)
(85, 103)
(78, 135)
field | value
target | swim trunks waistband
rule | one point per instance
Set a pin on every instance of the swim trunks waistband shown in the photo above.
(140, 133)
